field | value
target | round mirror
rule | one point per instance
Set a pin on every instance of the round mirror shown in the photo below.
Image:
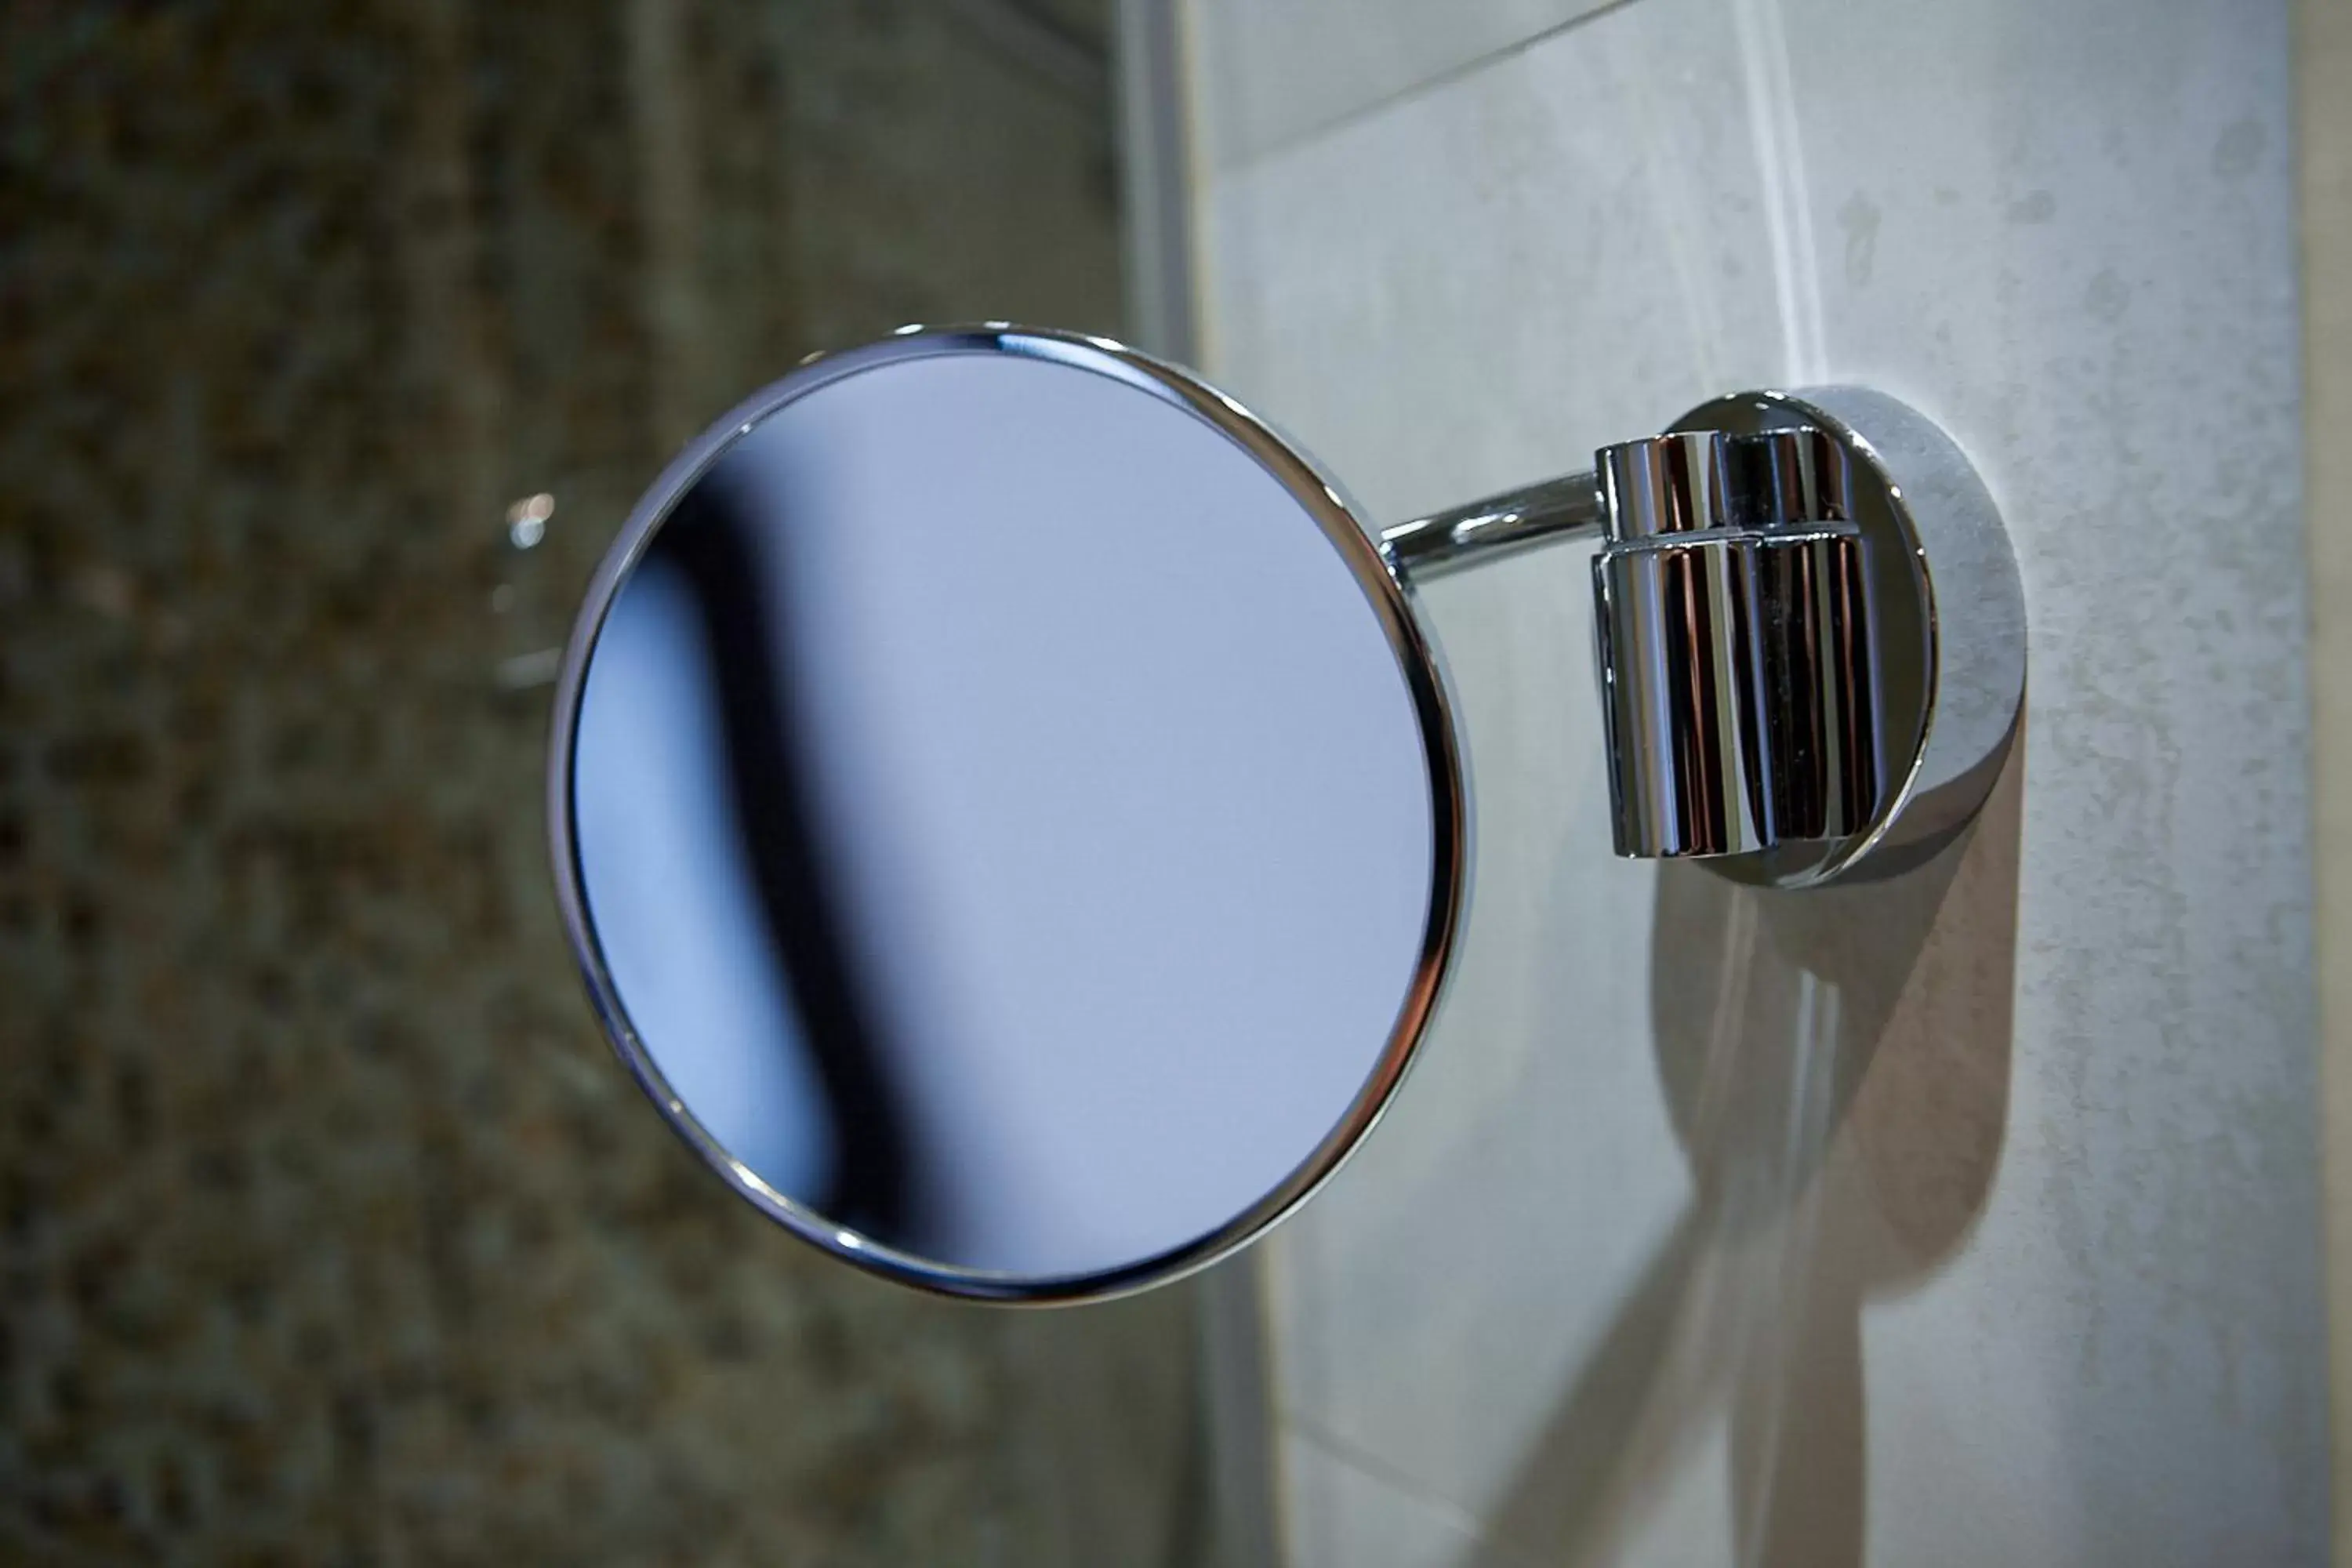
(1005, 813)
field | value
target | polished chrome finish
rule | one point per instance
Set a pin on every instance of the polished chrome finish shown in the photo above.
(1553, 511)
(1811, 638)
(1735, 646)
(1384, 1056)
(1782, 694)
(1737, 692)
(1690, 481)
(1951, 610)
(1667, 484)
(1781, 697)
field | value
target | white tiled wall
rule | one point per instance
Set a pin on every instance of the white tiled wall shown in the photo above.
(1281, 73)
(2323, 110)
(1971, 1218)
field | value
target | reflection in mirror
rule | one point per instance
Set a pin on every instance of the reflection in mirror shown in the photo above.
(1010, 814)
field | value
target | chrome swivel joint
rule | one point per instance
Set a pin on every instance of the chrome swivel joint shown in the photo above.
(1780, 695)
(1732, 604)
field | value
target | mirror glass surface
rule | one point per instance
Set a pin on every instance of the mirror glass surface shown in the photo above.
(1002, 815)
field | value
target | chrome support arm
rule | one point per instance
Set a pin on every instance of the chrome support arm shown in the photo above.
(1488, 530)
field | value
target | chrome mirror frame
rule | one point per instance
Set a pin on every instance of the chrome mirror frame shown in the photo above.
(1811, 644)
(1384, 589)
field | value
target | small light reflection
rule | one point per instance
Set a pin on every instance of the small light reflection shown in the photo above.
(525, 671)
(527, 520)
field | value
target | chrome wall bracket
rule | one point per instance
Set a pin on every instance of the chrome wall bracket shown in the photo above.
(1810, 628)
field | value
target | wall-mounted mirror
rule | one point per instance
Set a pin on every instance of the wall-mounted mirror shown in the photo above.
(1013, 825)
(1006, 814)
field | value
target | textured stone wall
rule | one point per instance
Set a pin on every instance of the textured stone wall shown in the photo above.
(329, 1231)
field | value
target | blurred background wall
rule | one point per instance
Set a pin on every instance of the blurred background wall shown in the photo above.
(329, 1230)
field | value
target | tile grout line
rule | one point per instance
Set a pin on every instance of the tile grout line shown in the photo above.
(1444, 78)
(1372, 1466)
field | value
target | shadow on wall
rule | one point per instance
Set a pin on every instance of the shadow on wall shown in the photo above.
(1840, 1084)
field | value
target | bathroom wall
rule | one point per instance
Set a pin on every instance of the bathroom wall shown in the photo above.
(1968, 1218)
(2322, 40)
(329, 1230)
